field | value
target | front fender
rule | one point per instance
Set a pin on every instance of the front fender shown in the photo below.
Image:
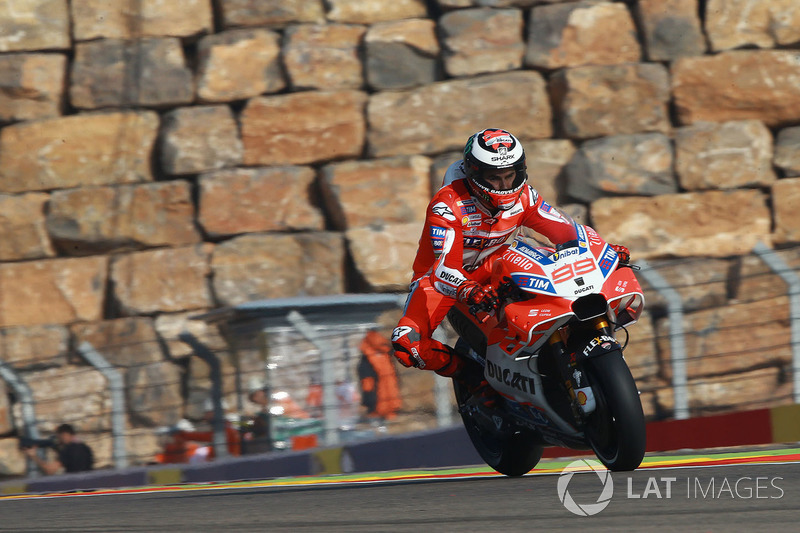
(599, 345)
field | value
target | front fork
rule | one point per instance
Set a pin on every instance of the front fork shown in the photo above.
(578, 387)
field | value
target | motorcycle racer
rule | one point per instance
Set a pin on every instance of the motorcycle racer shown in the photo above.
(484, 199)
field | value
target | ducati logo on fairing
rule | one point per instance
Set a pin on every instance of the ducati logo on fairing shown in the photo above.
(512, 379)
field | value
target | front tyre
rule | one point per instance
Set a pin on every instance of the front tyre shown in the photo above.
(616, 429)
(513, 452)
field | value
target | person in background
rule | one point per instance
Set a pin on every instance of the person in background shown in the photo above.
(182, 439)
(73, 455)
(348, 399)
(314, 397)
(380, 393)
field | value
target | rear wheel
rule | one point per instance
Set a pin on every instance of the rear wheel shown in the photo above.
(616, 429)
(512, 452)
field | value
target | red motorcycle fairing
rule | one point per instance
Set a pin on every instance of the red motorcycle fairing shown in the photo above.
(551, 300)
(550, 352)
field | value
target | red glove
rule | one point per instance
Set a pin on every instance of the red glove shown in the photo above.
(473, 294)
(623, 252)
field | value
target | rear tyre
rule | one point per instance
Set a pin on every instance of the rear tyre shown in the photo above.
(513, 452)
(616, 429)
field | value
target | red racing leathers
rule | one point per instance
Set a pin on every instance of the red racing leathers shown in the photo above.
(460, 242)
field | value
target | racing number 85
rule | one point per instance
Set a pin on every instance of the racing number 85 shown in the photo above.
(567, 272)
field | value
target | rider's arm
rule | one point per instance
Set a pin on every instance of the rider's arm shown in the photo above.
(547, 220)
(447, 240)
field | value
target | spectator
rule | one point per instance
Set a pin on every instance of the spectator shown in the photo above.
(347, 398)
(73, 455)
(380, 393)
(314, 397)
(183, 446)
(279, 403)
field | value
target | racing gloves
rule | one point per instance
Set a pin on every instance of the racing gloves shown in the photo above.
(623, 252)
(474, 295)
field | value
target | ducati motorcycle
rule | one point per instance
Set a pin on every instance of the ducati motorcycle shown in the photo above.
(550, 350)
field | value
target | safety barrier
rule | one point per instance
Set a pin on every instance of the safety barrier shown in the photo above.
(438, 448)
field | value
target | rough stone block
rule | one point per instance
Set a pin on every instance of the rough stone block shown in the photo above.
(712, 224)
(723, 156)
(102, 219)
(123, 342)
(383, 254)
(149, 72)
(79, 150)
(738, 85)
(754, 280)
(376, 192)
(785, 202)
(55, 291)
(247, 268)
(170, 325)
(622, 165)
(787, 151)
(671, 29)
(323, 56)
(761, 23)
(700, 282)
(31, 86)
(330, 123)
(12, 461)
(26, 347)
(272, 13)
(757, 389)
(372, 11)
(198, 139)
(477, 41)
(154, 394)
(22, 224)
(77, 395)
(101, 19)
(595, 101)
(722, 341)
(34, 25)
(165, 280)
(239, 64)
(402, 54)
(441, 116)
(547, 161)
(258, 199)
(580, 33)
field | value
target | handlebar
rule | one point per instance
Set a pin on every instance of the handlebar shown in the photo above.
(507, 290)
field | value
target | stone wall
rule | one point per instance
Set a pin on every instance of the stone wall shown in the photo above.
(158, 159)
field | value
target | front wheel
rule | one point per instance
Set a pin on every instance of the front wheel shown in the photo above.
(513, 452)
(616, 429)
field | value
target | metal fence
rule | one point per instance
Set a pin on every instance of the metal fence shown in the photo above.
(718, 334)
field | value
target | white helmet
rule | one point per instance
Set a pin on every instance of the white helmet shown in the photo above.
(490, 150)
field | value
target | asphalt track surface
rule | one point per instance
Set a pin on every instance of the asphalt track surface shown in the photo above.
(747, 491)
